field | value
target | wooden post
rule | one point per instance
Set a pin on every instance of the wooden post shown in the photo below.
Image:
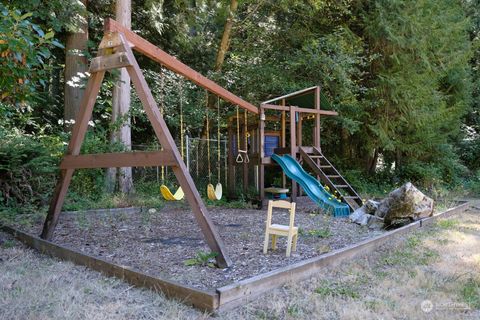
(316, 131)
(293, 148)
(316, 127)
(261, 155)
(245, 165)
(283, 143)
(231, 161)
(299, 129)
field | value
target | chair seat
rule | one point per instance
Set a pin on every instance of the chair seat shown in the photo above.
(281, 228)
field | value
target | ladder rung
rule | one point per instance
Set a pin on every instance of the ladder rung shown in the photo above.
(341, 186)
(316, 157)
(334, 176)
(325, 166)
(351, 197)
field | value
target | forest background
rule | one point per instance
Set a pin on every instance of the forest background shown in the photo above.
(404, 76)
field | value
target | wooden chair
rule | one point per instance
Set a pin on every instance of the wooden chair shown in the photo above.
(281, 230)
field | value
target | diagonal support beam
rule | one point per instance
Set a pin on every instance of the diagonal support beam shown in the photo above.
(181, 172)
(78, 135)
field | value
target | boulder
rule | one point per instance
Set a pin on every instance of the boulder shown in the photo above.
(375, 223)
(406, 202)
(360, 216)
(371, 206)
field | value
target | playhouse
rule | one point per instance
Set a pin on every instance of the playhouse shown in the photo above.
(279, 130)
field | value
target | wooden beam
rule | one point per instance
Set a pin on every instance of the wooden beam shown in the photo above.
(118, 160)
(298, 109)
(249, 289)
(78, 135)
(261, 173)
(293, 148)
(181, 173)
(291, 95)
(284, 139)
(113, 61)
(316, 137)
(158, 55)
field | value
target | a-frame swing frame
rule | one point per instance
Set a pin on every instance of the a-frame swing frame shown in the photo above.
(115, 51)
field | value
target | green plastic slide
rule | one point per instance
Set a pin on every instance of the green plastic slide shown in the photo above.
(312, 187)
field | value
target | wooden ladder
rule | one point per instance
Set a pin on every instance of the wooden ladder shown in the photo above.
(330, 176)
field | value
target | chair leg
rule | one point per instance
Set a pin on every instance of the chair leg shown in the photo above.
(295, 238)
(274, 242)
(265, 243)
(289, 244)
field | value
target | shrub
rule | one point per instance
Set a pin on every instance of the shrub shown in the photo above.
(27, 169)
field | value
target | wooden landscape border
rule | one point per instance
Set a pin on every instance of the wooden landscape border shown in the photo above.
(245, 290)
(235, 294)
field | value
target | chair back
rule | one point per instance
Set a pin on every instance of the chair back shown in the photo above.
(283, 205)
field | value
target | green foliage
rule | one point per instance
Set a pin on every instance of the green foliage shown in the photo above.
(25, 50)
(27, 169)
(471, 293)
(447, 223)
(327, 289)
(319, 233)
(202, 259)
(403, 75)
(421, 84)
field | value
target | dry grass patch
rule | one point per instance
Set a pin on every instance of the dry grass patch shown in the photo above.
(33, 286)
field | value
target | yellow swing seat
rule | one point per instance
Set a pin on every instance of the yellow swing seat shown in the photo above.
(214, 193)
(167, 194)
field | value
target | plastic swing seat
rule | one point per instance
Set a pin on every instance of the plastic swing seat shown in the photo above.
(214, 193)
(167, 194)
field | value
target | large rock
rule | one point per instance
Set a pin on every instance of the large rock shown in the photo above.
(360, 216)
(365, 215)
(371, 206)
(406, 202)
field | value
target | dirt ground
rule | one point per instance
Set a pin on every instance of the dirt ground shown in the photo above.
(433, 273)
(160, 242)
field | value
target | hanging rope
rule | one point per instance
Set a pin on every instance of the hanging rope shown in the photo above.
(218, 140)
(208, 138)
(213, 193)
(162, 85)
(242, 156)
(181, 120)
(164, 190)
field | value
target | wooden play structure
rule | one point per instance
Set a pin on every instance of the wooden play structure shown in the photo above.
(115, 51)
(289, 114)
(252, 144)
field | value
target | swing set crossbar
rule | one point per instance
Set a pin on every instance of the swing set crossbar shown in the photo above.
(158, 55)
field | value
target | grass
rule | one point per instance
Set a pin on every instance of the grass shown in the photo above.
(440, 264)
(320, 233)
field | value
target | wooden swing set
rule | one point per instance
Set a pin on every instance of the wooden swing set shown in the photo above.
(115, 51)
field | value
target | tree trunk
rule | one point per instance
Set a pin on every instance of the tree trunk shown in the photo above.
(372, 162)
(227, 31)
(120, 107)
(221, 53)
(75, 68)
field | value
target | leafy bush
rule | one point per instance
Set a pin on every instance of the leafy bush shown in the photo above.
(27, 169)
(24, 51)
